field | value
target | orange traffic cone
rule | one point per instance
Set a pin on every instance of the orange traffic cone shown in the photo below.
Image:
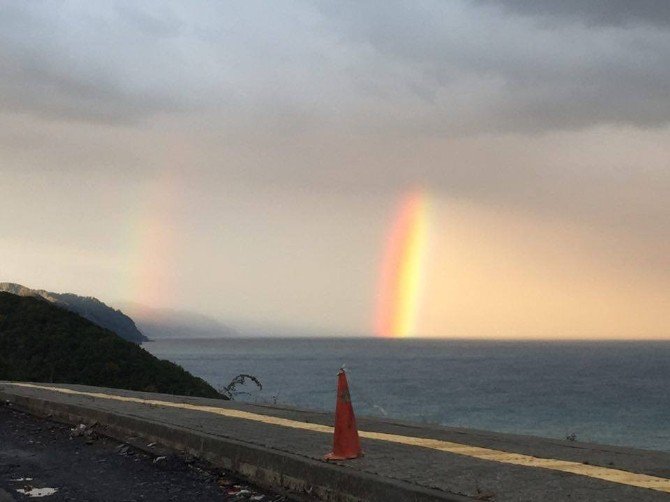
(345, 441)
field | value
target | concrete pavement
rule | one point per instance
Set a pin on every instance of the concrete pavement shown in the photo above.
(282, 447)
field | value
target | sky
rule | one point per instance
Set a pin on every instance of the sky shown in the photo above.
(253, 162)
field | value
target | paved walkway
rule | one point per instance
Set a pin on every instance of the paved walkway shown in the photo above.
(439, 463)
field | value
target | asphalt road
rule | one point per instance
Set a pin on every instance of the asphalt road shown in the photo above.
(37, 454)
(284, 447)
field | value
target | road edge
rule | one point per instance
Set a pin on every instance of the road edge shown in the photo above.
(268, 468)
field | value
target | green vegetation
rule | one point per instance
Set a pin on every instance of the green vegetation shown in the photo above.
(88, 307)
(41, 342)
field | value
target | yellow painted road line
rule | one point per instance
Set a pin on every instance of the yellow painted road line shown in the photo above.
(591, 471)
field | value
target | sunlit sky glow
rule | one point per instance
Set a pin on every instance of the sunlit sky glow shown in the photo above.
(259, 163)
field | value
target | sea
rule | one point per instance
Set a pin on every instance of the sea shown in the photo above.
(605, 392)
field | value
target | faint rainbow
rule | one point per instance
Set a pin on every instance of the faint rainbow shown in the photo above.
(152, 242)
(403, 269)
(154, 235)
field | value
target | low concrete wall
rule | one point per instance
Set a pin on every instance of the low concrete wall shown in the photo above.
(300, 477)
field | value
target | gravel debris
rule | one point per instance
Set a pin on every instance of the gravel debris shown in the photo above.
(40, 458)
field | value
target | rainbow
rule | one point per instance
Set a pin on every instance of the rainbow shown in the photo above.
(152, 242)
(152, 235)
(403, 268)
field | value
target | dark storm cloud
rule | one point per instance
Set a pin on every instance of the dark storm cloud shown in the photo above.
(418, 68)
(481, 68)
(594, 12)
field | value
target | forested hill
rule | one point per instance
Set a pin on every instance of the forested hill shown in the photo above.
(42, 342)
(91, 308)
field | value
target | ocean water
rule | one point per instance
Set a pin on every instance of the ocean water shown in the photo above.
(607, 392)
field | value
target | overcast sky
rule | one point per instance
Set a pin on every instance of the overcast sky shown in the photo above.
(245, 159)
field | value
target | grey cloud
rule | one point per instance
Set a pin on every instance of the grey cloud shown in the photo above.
(505, 73)
(146, 20)
(592, 12)
(124, 61)
(48, 69)
(422, 68)
(60, 97)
